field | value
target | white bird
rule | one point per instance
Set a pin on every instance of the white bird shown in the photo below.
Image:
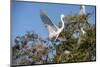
(66, 52)
(83, 31)
(82, 10)
(53, 30)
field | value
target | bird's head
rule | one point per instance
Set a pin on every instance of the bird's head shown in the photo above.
(62, 15)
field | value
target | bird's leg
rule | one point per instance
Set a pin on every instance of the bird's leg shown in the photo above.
(56, 37)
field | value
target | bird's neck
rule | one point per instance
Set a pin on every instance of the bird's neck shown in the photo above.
(83, 31)
(62, 21)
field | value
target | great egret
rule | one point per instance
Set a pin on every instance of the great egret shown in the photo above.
(83, 31)
(82, 10)
(53, 30)
(66, 52)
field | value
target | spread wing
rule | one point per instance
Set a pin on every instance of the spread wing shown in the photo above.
(47, 22)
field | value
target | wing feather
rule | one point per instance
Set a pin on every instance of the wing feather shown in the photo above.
(47, 22)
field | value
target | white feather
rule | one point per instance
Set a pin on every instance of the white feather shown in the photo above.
(53, 30)
(82, 10)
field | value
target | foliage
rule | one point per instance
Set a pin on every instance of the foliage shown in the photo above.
(71, 46)
(82, 48)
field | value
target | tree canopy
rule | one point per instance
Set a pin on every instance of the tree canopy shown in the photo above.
(71, 46)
